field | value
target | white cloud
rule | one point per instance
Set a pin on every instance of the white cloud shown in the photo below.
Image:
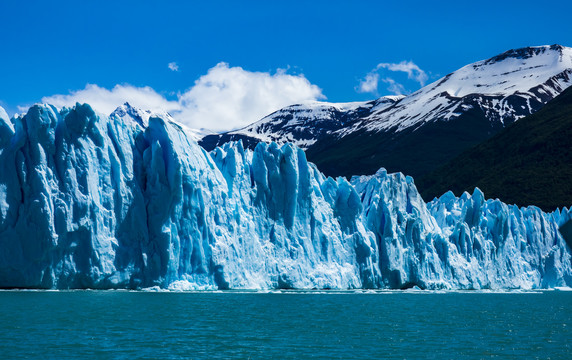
(231, 97)
(369, 84)
(22, 109)
(413, 71)
(105, 101)
(394, 87)
(225, 98)
(173, 66)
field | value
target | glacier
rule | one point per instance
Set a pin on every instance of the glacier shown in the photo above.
(131, 201)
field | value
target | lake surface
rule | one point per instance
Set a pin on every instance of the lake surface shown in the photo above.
(330, 325)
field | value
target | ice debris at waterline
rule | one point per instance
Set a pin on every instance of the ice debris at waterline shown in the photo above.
(131, 201)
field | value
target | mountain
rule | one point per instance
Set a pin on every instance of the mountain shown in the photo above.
(300, 124)
(417, 133)
(527, 163)
(90, 201)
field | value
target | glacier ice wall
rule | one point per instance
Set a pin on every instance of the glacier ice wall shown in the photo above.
(131, 201)
(461, 243)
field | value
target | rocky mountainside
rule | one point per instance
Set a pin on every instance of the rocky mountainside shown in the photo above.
(528, 163)
(417, 133)
(301, 124)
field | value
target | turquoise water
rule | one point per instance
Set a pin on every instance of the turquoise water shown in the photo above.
(382, 325)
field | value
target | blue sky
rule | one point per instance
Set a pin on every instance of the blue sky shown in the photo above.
(323, 50)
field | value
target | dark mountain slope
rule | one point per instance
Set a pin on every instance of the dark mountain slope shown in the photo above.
(528, 163)
(413, 151)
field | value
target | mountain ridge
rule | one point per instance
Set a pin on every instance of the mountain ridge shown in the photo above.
(301, 124)
(407, 134)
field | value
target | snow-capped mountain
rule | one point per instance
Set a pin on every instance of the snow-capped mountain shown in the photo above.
(301, 124)
(416, 133)
(90, 201)
(505, 87)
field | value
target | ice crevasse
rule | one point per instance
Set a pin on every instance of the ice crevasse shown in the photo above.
(131, 201)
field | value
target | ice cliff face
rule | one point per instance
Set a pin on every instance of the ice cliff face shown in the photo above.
(462, 243)
(131, 202)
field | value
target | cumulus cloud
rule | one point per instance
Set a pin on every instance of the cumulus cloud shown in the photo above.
(394, 87)
(173, 66)
(370, 83)
(231, 97)
(105, 101)
(413, 71)
(225, 98)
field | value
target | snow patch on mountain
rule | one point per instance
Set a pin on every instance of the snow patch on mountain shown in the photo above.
(535, 75)
(513, 71)
(303, 124)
